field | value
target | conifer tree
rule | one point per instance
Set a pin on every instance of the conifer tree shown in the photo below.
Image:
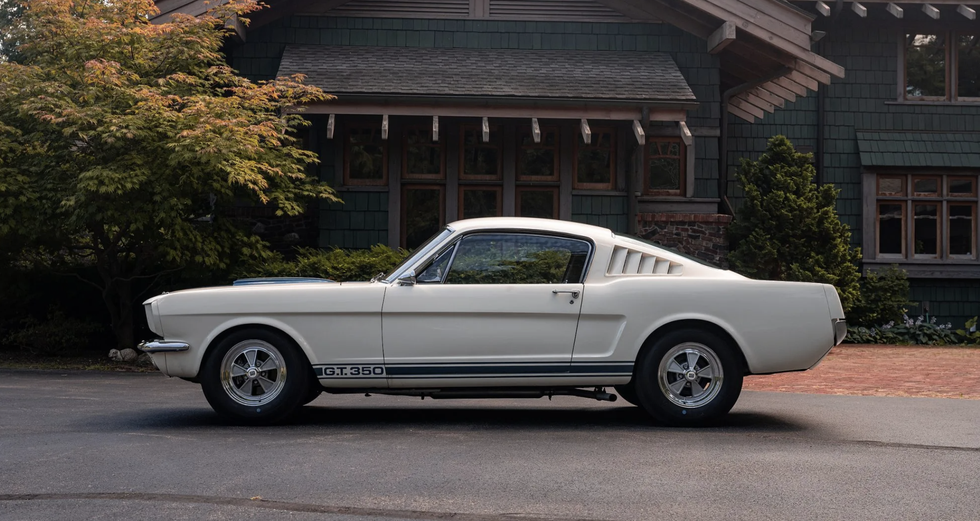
(788, 228)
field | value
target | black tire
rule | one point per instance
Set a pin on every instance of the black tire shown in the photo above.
(675, 396)
(273, 380)
(314, 391)
(628, 392)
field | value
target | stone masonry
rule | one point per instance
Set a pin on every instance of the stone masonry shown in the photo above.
(698, 235)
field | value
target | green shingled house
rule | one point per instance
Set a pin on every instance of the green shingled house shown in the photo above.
(633, 114)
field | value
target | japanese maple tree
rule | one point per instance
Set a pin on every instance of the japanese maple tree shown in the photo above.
(122, 141)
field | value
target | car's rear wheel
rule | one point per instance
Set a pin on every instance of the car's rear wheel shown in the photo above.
(256, 376)
(688, 377)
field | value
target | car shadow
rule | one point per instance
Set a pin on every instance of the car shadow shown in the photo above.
(476, 417)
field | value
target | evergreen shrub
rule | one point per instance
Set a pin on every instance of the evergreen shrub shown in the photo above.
(336, 264)
(788, 228)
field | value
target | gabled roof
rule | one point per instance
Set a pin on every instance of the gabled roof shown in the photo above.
(764, 45)
(540, 74)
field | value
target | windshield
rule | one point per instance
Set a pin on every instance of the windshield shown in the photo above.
(662, 247)
(419, 253)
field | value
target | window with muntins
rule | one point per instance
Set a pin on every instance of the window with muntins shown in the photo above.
(942, 66)
(664, 166)
(365, 157)
(926, 217)
(595, 162)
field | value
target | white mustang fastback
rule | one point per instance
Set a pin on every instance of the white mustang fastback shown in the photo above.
(499, 307)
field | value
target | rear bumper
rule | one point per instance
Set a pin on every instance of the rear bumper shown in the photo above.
(162, 346)
(840, 330)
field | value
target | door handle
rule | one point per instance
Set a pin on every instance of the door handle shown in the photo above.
(573, 292)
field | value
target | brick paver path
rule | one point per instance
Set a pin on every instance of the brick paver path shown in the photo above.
(938, 372)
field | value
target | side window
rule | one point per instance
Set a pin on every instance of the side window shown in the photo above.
(436, 271)
(518, 259)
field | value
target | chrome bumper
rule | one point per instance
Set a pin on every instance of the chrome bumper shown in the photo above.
(840, 330)
(162, 346)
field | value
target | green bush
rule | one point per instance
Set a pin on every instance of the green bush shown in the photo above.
(336, 264)
(55, 335)
(884, 298)
(908, 331)
(969, 334)
(788, 228)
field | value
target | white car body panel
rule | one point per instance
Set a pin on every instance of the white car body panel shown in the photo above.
(510, 335)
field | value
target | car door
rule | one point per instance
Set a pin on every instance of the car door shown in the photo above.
(491, 309)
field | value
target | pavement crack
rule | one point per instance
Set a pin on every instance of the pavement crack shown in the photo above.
(891, 444)
(282, 506)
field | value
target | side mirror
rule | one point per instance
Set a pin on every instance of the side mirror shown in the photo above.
(407, 278)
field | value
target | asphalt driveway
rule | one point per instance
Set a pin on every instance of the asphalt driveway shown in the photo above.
(137, 446)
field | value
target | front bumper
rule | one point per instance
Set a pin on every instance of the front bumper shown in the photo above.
(162, 346)
(840, 330)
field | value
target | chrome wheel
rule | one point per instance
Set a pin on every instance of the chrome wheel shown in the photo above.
(253, 372)
(690, 375)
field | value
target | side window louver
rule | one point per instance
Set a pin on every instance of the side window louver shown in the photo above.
(625, 261)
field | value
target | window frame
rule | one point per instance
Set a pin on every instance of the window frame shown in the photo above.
(951, 78)
(348, 181)
(455, 247)
(973, 235)
(499, 189)
(556, 197)
(521, 147)
(403, 225)
(495, 130)
(580, 145)
(682, 168)
(441, 145)
(908, 200)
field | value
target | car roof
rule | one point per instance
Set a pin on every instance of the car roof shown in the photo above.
(531, 223)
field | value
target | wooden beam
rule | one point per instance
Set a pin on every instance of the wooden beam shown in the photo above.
(641, 136)
(535, 130)
(779, 91)
(741, 113)
(686, 136)
(331, 125)
(486, 129)
(803, 79)
(471, 110)
(790, 85)
(767, 96)
(384, 127)
(745, 106)
(970, 14)
(435, 128)
(756, 101)
(859, 9)
(895, 10)
(586, 131)
(235, 25)
(823, 8)
(793, 30)
(720, 39)
(930, 11)
(812, 72)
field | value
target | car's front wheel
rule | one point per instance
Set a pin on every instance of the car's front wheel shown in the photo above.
(256, 376)
(688, 377)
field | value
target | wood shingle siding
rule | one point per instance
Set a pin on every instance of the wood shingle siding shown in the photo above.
(586, 10)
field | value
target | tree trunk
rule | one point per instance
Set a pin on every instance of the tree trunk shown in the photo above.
(118, 298)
